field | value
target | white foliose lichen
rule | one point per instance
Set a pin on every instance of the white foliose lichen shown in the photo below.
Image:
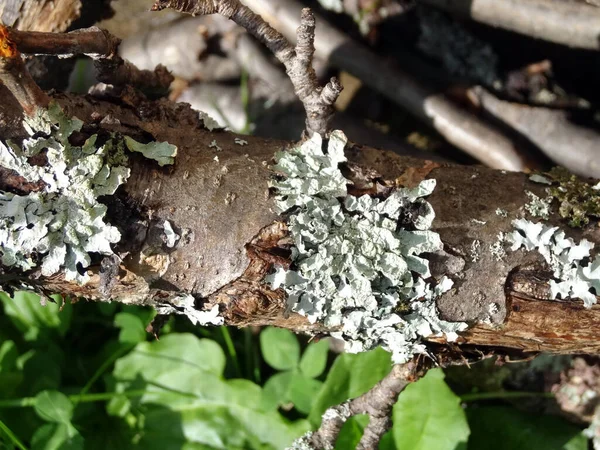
(184, 304)
(62, 224)
(538, 207)
(593, 431)
(578, 275)
(355, 268)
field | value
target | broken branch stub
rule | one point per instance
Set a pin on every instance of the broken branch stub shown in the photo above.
(318, 101)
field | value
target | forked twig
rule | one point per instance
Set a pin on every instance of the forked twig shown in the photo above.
(318, 101)
(377, 403)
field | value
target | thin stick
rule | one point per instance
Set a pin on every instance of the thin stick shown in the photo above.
(99, 45)
(15, 76)
(460, 127)
(377, 403)
(318, 101)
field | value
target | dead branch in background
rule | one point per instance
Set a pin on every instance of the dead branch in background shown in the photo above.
(575, 24)
(461, 128)
(318, 101)
(98, 44)
(563, 141)
(15, 76)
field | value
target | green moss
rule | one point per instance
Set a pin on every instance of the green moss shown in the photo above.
(578, 200)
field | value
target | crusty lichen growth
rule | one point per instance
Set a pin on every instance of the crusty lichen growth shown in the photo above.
(578, 200)
(61, 225)
(577, 275)
(355, 268)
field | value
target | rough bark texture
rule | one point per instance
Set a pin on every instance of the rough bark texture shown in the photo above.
(218, 201)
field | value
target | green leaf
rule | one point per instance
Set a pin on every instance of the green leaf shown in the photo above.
(57, 436)
(303, 391)
(428, 416)
(132, 328)
(188, 404)
(276, 391)
(314, 359)
(8, 356)
(350, 376)
(31, 318)
(280, 348)
(53, 406)
(41, 369)
(351, 432)
(504, 428)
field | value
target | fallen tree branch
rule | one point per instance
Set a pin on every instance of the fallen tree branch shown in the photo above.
(100, 46)
(318, 101)
(575, 24)
(461, 128)
(16, 78)
(377, 403)
(563, 141)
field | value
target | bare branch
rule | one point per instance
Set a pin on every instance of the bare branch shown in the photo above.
(318, 101)
(460, 127)
(102, 47)
(377, 403)
(14, 75)
(569, 23)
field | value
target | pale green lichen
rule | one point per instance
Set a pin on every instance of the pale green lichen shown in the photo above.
(184, 304)
(61, 225)
(577, 275)
(162, 152)
(538, 207)
(354, 267)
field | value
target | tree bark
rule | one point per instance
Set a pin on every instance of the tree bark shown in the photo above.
(220, 205)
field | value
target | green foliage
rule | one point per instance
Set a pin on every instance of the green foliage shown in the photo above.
(296, 384)
(95, 380)
(423, 410)
(505, 428)
(350, 376)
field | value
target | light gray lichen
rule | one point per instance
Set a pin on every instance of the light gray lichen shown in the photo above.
(209, 123)
(497, 248)
(475, 250)
(171, 237)
(184, 304)
(62, 224)
(213, 144)
(354, 267)
(240, 141)
(162, 152)
(578, 275)
(501, 212)
(538, 207)
(537, 178)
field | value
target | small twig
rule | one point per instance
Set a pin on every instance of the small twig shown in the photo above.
(377, 403)
(318, 101)
(551, 130)
(99, 45)
(15, 76)
(460, 127)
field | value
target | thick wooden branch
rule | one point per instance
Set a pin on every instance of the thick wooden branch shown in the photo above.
(218, 201)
